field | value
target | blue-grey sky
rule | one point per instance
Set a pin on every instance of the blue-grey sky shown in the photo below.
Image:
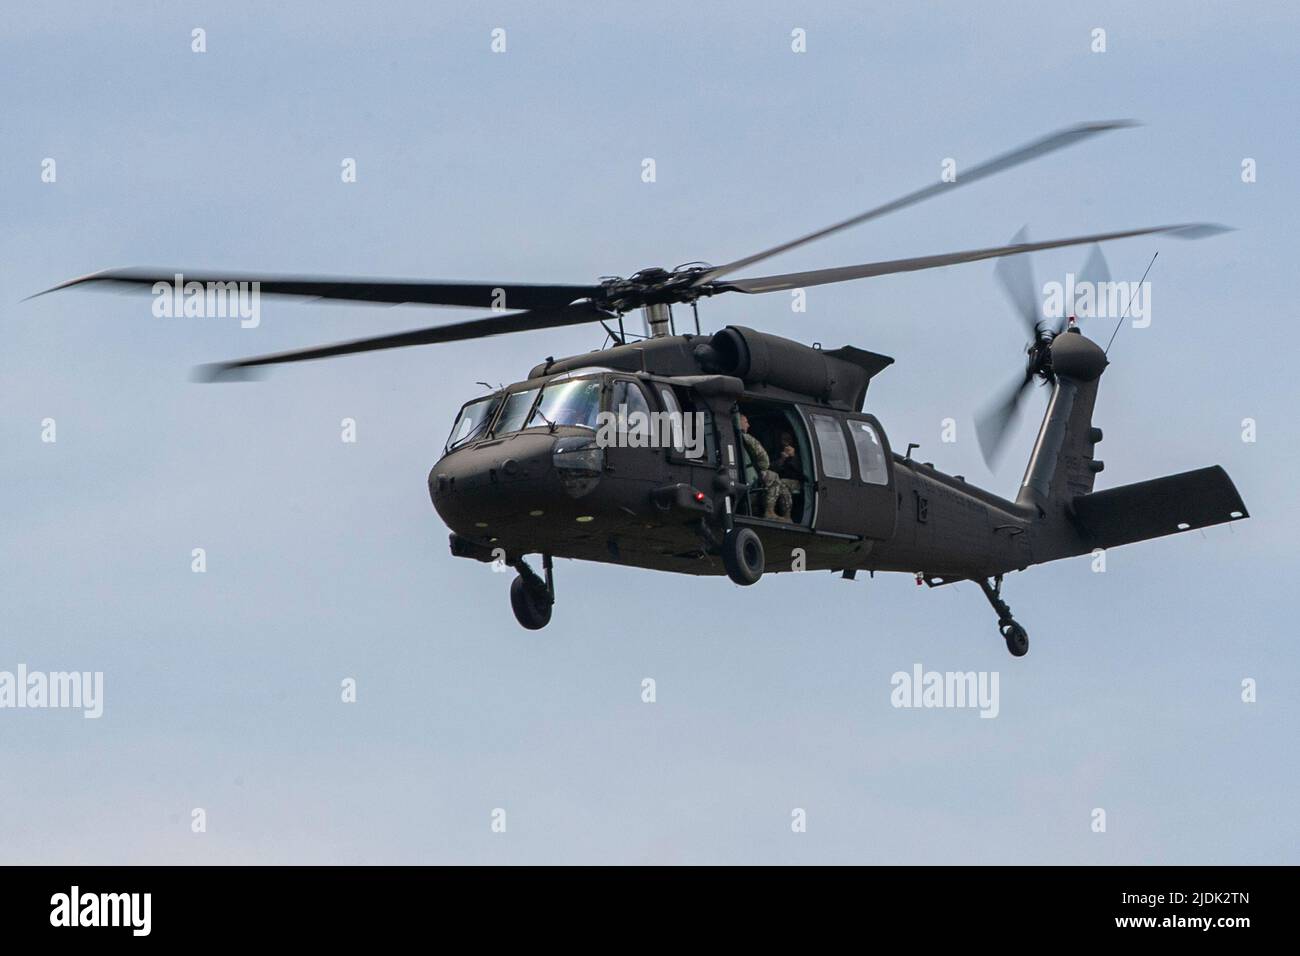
(326, 561)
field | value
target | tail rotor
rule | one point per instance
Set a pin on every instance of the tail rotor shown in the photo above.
(1015, 274)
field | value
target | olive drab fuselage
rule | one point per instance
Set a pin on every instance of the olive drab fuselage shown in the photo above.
(505, 495)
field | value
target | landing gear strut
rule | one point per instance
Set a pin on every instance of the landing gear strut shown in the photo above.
(1017, 637)
(532, 597)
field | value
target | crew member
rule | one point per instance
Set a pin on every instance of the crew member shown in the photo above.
(769, 481)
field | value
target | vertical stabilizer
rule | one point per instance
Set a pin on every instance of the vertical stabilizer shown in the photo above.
(1062, 463)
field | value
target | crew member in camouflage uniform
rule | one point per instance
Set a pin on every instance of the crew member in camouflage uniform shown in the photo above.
(774, 493)
(788, 468)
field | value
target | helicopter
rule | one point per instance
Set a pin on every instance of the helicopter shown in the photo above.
(743, 452)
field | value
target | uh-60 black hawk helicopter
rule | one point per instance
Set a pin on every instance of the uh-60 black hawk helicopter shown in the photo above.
(526, 472)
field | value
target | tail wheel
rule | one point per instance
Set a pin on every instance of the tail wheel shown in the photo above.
(1017, 638)
(742, 555)
(531, 604)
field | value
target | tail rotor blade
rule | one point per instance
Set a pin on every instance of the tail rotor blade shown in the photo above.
(1015, 273)
(1096, 273)
(1095, 270)
(993, 424)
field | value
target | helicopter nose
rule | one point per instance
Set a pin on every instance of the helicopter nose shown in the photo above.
(515, 460)
(499, 484)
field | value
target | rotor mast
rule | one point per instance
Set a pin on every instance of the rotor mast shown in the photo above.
(658, 319)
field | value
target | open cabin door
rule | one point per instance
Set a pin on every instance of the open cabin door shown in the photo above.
(777, 460)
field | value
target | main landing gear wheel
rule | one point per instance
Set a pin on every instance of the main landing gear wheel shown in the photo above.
(531, 604)
(532, 596)
(742, 555)
(1017, 638)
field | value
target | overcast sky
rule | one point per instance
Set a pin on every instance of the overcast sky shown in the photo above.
(326, 561)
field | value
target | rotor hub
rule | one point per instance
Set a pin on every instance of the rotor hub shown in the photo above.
(654, 286)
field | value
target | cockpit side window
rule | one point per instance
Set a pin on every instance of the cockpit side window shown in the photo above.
(693, 437)
(674, 410)
(628, 404)
(472, 422)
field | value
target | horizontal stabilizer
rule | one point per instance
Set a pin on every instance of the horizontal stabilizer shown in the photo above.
(1161, 506)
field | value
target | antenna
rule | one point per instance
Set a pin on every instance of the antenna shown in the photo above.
(1130, 302)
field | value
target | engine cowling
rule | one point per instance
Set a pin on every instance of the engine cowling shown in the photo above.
(760, 359)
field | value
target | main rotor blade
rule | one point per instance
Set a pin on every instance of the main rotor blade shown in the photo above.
(799, 280)
(454, 332)
(479, 295)
(1039, 147)
(993, 424)
(1016, 276)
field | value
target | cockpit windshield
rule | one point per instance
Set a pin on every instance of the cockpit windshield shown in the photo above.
(572, 402)
(564, 401)
(515, 411)
(472, 422)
